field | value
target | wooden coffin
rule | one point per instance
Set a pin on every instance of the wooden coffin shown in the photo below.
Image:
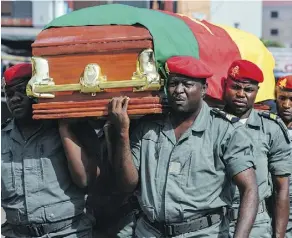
(77, 70)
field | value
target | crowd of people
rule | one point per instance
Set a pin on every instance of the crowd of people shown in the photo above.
(195, 171)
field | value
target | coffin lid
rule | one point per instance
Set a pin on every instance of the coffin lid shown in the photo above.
(90, 34)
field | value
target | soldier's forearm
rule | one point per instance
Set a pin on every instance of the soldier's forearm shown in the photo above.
(281, 207)
(76, 157)
(127, 174)
(249, 201)
(247, 213)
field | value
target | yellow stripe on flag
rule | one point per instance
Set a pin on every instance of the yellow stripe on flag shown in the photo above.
(252, 49)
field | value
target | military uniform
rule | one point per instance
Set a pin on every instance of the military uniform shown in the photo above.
(289, 226)
(115, 213)
(270, 139)
(38, 195)
(272, 155)
(187, 183)
(285, 83)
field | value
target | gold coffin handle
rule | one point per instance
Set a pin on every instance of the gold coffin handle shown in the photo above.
(92, 89)
(145, 78)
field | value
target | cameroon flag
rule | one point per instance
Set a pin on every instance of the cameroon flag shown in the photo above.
(174, 34)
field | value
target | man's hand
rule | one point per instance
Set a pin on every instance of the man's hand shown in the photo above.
(117, 110)
(126, 172)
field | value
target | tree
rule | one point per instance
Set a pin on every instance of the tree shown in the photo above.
(271, 43)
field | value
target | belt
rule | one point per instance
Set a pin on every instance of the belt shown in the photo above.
(233, 212)
(107, 220)
(37, 230)
(175, 229)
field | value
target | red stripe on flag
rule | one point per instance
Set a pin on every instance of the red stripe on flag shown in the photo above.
(216, 49)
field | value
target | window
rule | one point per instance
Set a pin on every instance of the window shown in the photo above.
(274, 32)
(274, 14)
(236, 24)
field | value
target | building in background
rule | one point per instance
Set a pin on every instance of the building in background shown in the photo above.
(277, 18)
(31, 13)
(244, 15)
(195, 9)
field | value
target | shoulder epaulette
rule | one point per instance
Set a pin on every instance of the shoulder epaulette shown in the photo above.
(4, 124)
(225, 115)
(278, 120)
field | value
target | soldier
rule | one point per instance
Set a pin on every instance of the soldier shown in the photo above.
(90, 142)
(284, 106)
(185, 161)
(271, 144)
(38, 194)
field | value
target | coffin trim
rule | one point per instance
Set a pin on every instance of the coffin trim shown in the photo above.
(145, 78)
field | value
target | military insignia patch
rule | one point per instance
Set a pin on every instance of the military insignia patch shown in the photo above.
(283, 83)
(166, 68)
(4, 124)
(278, 120)
(225, 115)
(234, 71)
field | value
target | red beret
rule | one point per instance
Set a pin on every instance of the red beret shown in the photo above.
(285, 82)
(244, 69)
(16, 72)
(187, 66)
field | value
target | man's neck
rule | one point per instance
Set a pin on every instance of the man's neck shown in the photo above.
(178, 118)
(27, 127)
(289, 125)
(243, 115)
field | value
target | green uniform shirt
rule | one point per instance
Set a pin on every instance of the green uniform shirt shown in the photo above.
(290, 133)
(185, 179)
(272, 152)
(36, 183)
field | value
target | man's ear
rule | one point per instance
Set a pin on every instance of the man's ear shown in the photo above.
(204, 89)
(223, 82)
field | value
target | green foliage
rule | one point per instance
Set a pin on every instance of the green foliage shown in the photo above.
(270, 43)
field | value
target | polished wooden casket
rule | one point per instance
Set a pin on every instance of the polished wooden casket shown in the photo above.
(77, 70)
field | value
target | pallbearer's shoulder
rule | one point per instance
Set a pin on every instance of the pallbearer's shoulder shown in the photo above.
(224, 115)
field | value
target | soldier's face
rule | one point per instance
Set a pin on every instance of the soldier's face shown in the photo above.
(185, 94)
(240, 96)
(18, 102)
(284, 105)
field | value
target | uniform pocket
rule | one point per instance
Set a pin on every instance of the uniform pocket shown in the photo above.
(7, 174)
(64, 210)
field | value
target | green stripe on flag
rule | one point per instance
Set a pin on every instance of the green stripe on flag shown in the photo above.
(171, 36)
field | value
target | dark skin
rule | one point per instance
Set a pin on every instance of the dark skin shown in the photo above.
(284, 105)
(284, 108)
(20, 106)
(80, 159)
(239, 98)
(185, 97)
